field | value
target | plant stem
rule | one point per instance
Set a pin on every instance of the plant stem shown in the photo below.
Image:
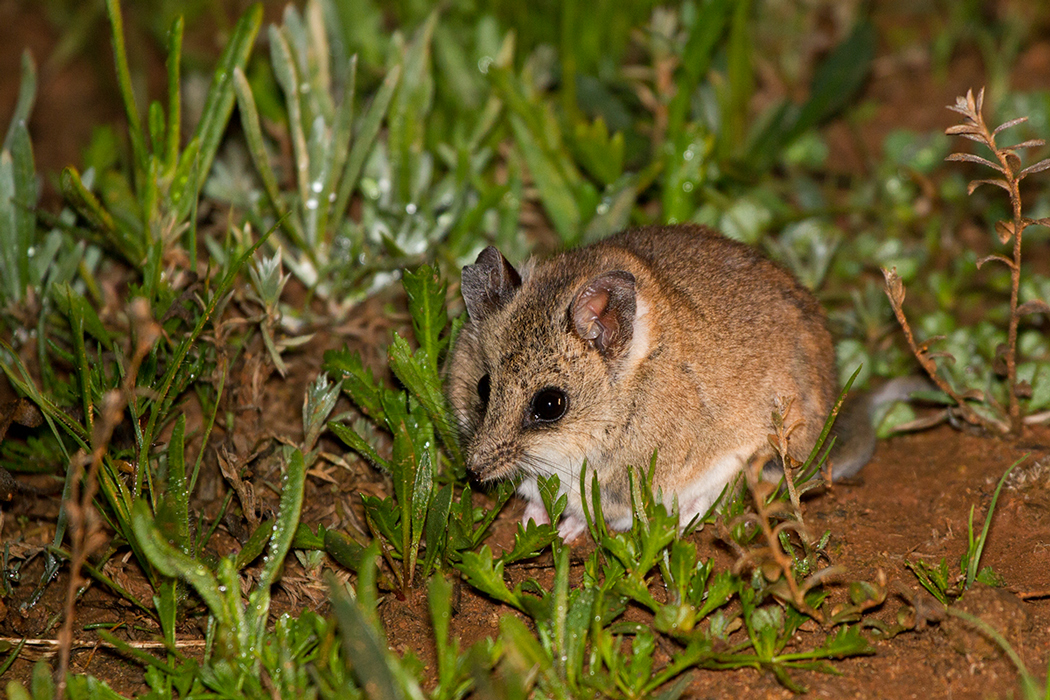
(1016, 424)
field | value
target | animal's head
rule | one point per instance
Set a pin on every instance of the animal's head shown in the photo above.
(533, 376)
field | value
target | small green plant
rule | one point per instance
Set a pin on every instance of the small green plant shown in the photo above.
(982, 406)
(425, 446)
(142, 215)
(697, 618)
(948, 587)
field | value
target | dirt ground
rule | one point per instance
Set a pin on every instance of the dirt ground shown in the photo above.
(911, 503)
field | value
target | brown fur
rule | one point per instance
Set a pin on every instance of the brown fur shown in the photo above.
(692, 357)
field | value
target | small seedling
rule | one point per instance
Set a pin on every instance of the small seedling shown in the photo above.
(947, 587)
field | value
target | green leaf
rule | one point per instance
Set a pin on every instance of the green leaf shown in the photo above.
(254, 545)
(358, 382)
(411, 105)
(481, 573)
(384, 517)
(437, 530)
(343, 549)
(339, 140)
(425, 385)
(23, 202)
(364, 140)
(555, 192)
(363, 643)
(175, 496)
(261, 158)
(835, 82)
(359, 445)
(26, 97)
(127, 93)
(838, 78)
(422, 493)
(90, 208)
(530, 540)
(171, 562)
(167, 603)
(439, 595)
(601, 155)
(170, 153)
(287, 519)
(706, 30)
(11, 251)
(426, 303)
(218, 105)
(284, 69)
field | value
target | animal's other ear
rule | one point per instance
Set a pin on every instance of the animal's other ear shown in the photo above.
(603, 312)
(488, 284)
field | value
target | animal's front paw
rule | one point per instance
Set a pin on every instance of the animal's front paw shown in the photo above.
(571, 527)
(535, 512)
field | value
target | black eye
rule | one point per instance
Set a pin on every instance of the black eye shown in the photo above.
(549, 405)
(483, 391)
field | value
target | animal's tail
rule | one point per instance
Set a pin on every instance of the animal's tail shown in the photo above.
(854, 426)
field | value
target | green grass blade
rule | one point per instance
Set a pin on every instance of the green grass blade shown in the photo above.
(975, 557)
(174, 63)
(740, 79)
(364, 140)
(812, 464)
(10, 247)
(422, 496)
(219, 104)
(363, 642)
(23, 203)
(26, 97)
(439, 594)
(126, 244)
(284, 69)
(707, 29)
(24, 384)
(143, 657)
(157, 130)
(159, 405)
(127, 92)
(257, 149)
(339, 146)
(437, 528)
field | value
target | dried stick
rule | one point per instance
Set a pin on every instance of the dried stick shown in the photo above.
(895, 292)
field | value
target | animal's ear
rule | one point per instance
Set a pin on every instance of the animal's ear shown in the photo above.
(488, 284)
(603, 312)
